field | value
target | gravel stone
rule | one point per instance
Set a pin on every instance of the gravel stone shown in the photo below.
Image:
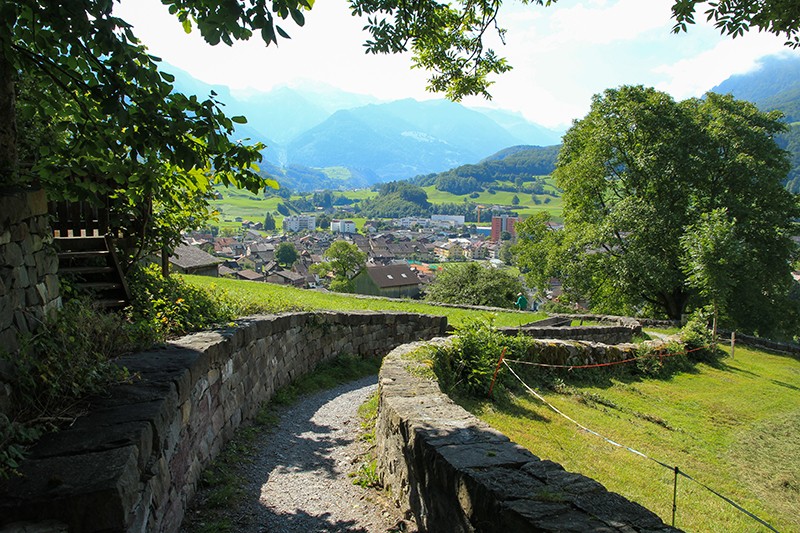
(300, 479)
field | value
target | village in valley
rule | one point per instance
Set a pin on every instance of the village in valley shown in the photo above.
(402, 257)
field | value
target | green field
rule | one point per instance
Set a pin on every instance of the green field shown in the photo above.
(247, 206)
(732, 426)
(525, 208)
(276, 298)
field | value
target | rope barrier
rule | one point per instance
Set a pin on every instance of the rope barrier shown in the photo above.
(674, 469)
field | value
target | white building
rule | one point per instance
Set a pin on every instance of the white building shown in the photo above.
(300, 222)
(407, 222)
(452, 220)
(343, 226)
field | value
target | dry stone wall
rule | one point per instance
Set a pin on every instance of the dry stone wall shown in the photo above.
(459, 475)
(29, 289)
(133, 462)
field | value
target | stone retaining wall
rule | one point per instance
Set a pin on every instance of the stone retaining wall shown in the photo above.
(618, 329)
(29, 289)
(458, 475)
(133, 462)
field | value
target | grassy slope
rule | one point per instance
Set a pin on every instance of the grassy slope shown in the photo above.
(525, 208)
(276, 298)
(733, 427)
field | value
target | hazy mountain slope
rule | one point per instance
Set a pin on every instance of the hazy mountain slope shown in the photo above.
(775, 74)
(775, 85)
(400, 139)
(521, 128)
(316, 126)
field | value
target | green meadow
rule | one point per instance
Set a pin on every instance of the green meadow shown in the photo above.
(732, 426)
(271, 298)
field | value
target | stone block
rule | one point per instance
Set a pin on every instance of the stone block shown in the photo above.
(51, 261)
(21, 322)
(5, 236)
(36, 202)
(9, 340)
(20, 232)
(89, 492)
(12, 255)
(51, 282)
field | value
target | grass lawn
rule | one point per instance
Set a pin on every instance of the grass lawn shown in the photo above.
(525, 208)
(269, 297)
(733, 426)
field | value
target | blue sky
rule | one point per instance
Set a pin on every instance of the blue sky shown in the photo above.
(562, 55)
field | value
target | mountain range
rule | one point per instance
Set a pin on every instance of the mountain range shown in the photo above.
(775, 85)
(318, 136)
(313, 126)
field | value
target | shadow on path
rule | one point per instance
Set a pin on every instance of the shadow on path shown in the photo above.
(299, 480)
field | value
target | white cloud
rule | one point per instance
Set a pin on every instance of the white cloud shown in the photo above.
(562, 54)
(697, 74)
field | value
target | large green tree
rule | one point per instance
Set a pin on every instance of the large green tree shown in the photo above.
(286, 254)
(342, 259)
(117, 130)
(474, 284)
(639, 172)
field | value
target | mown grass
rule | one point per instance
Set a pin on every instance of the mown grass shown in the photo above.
(732, 426)
(255, 297)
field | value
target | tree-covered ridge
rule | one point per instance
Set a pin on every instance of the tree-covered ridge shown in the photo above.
(508, 165)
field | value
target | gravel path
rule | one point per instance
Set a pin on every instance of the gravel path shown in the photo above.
(298, 481)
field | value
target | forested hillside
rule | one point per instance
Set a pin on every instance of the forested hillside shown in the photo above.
(517, 164)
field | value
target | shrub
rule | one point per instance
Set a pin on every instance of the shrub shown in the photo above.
(68, 359)
(697, 336)
(468, 365)
(167, 307)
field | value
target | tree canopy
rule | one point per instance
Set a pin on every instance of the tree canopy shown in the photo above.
(474, 284)
(641, 174)
(342, 259)
(286, 254)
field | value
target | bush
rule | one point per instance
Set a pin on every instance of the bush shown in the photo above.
(168, 307)
(698, 337)
(68, 359)
(469, 364)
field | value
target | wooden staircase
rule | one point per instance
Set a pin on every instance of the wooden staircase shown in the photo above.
(86, 253)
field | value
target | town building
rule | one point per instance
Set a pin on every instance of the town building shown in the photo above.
(192, 260)
(449, 220)
(393, 281)
(343, 226)
(300, 223)
(503, 223)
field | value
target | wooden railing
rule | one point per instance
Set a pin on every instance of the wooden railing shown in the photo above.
(79, 219)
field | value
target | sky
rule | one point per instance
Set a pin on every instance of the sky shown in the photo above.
(561, 55)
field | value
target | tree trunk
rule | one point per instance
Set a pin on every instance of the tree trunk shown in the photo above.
(8, 124)
(674, 303)
(165, 262)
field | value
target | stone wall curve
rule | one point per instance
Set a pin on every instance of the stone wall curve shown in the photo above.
(457, 474)
(132, 463)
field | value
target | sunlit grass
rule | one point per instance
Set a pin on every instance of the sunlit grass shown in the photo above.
(731, 426)
(257, 297)
(526, 206)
